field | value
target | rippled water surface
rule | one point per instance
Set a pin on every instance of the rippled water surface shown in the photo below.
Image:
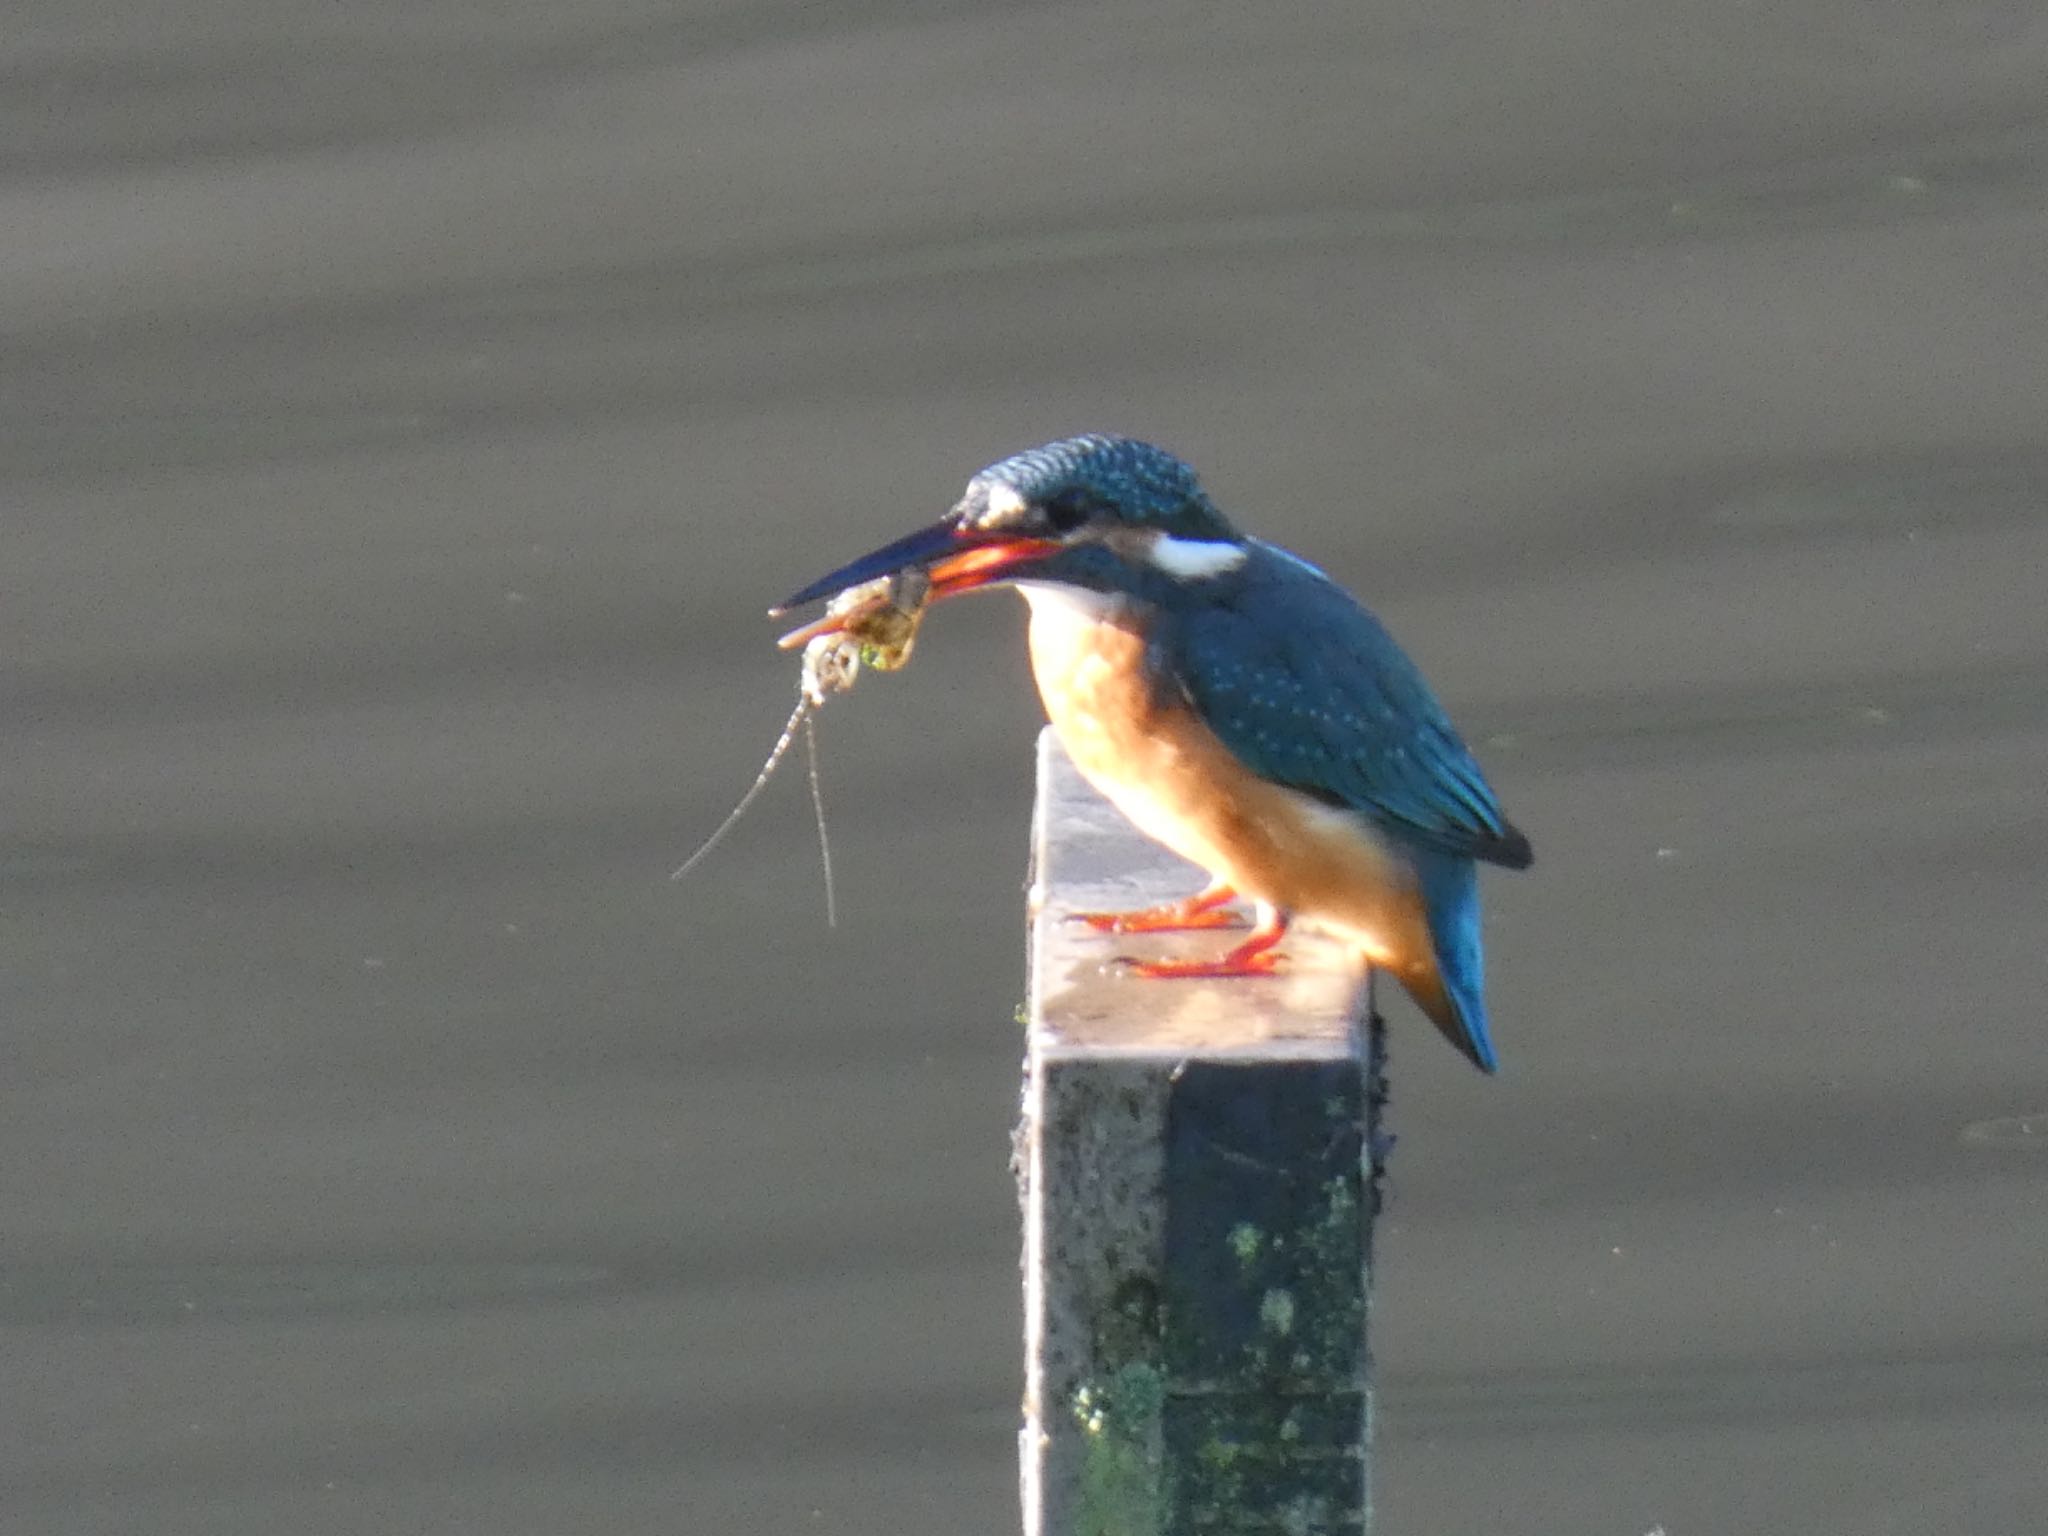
(406, 412)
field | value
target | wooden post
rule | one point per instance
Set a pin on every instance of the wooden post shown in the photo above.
(1199, 1173)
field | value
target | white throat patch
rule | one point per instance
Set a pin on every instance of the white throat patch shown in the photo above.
(1194, 559)
(1057, 601)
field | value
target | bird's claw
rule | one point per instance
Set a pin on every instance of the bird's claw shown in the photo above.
(1173, 919)
(1207, 908)
(1263, 962)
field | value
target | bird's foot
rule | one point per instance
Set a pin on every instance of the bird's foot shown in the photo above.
(1204, 909)
(1264, 962)
(1256, 956)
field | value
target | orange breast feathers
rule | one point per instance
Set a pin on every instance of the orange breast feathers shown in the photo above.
(1179, 784)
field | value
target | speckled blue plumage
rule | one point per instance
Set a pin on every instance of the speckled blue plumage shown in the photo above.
(1303, 683)
(1300, 682)
(1086, 476)
(1308, 690)
(1288, 672)
(1305, 686)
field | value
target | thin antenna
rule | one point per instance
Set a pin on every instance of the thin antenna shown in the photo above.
(876, 621)
(818, 805)
(798, 716)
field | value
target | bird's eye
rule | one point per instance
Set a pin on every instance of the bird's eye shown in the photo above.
(1066, 511)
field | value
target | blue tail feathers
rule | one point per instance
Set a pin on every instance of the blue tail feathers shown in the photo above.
(1450, 893)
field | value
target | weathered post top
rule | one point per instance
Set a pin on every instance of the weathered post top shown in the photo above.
(1087, 858)
(1198, 1200)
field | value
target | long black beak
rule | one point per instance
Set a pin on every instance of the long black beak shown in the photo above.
(960, 559)
(920, 548)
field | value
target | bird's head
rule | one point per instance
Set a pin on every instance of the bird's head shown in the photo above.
(1109, 514)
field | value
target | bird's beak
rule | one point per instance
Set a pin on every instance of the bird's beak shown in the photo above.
(958, 558)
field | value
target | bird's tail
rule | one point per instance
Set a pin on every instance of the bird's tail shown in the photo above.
(1455, 997)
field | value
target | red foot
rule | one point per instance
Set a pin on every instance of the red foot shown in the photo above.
(1201, 910)
(1256, 956)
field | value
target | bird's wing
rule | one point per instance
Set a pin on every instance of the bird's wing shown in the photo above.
(1308, 690)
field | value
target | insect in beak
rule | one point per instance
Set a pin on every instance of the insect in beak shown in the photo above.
(957, 556)
(873, 624)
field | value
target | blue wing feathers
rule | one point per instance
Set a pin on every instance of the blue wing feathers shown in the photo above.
(1308, 690)
(1327, 703)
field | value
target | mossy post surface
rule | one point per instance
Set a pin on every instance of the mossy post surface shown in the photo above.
(1198, 1198)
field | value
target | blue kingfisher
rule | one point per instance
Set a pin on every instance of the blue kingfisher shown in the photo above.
(1240, 708)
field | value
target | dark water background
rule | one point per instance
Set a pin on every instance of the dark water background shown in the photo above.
(406, 411)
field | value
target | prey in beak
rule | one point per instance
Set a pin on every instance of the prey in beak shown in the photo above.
(876, 604)
(888, 587)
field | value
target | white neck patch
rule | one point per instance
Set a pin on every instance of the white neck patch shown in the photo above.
(1194, 559)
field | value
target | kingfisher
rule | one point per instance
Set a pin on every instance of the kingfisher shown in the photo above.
(1239, 707)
